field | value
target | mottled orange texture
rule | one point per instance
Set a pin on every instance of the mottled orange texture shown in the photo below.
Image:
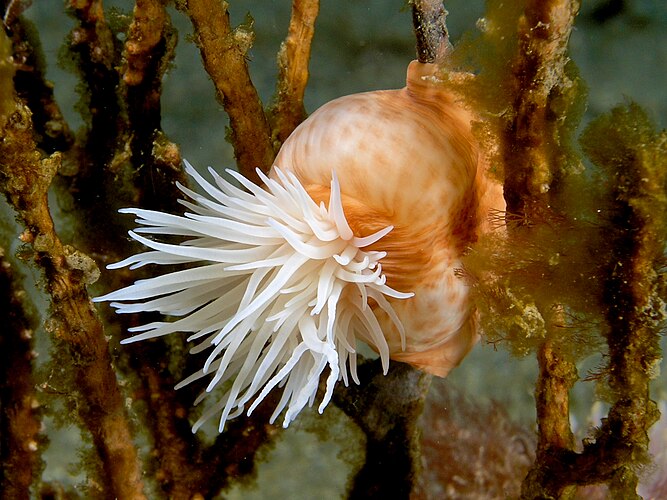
(407, 158)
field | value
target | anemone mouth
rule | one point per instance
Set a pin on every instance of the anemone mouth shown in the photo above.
(281, 291)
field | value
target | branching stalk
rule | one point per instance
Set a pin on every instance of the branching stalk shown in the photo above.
(224, 51)
(293, 59)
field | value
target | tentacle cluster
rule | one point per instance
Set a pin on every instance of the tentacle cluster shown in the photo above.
(280, 293)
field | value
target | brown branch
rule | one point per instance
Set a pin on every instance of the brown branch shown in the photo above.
(430, 27)
(149, 49)
(25, 181)
(293, 59)
(634, 158)
(93, 41)
(53, 133)
(532, 147)
(224, 51)
(557, 376)
(92, 45)
(532, 142)
(146, 32)
(386, 408)
(181, 472)
(555, 440)
(19, 422)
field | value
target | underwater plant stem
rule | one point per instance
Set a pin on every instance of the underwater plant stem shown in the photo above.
(19, 421)
(176, 450)
(149, 50)
(386, 408)
(53, 132)
(146, 32)
(531, 148)
(557, 376)
(223, 52)
(293, 59)
(428, 21)
(633, 353)
(634, 158)
(632, 162)
(555, 439)
(93, 40)
(531, 145)
(26, 178)
(92, 48)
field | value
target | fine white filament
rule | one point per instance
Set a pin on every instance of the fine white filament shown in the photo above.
(280, 292)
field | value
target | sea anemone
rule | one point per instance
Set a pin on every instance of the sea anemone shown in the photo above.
(282, 293)
(356, 234)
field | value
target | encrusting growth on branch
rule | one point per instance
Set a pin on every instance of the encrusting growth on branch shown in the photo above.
(535, 162)
(387, 409)
(19, 421)
(223, 52)
(531, 162)
(557, 376)
(633, 157)
(428, 21)
(91, 45)
(149, 49)
(293, 57)
(146, 31)
(26, 177)
(532, 142)
(51, 130)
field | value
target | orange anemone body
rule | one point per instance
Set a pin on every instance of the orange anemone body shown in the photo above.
(406, 158)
